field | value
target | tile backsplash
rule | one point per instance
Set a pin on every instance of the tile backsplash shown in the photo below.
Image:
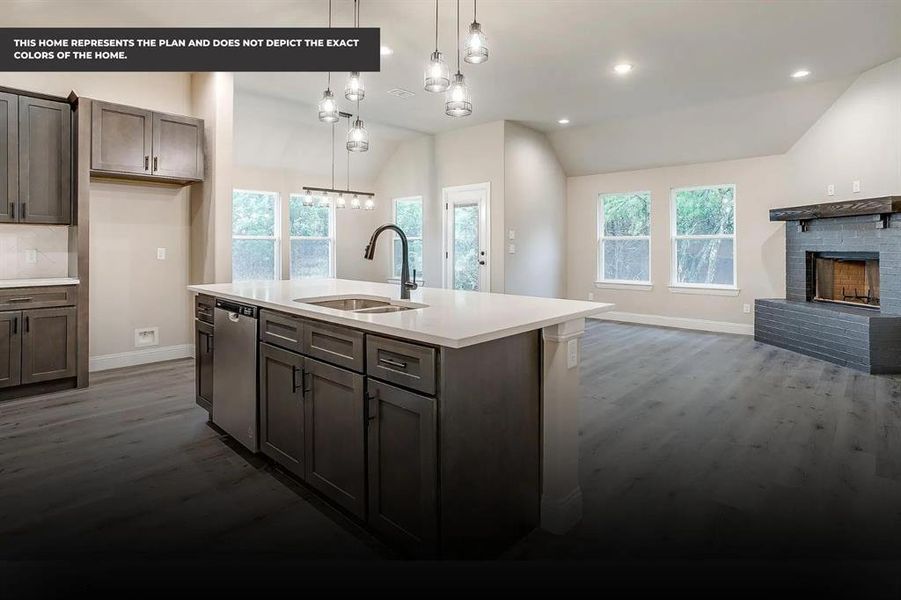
(34, 251)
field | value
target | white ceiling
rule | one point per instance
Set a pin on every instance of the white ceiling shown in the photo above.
(712, 75)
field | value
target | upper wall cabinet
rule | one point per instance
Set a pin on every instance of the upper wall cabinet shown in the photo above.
(45, 161)
(136, 143)
(9, 156)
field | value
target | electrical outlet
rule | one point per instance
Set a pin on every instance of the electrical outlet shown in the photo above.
(572, 354)
(591, 295)
(147, 336)
(31, 256)
(855, 186)
(511, 234)
(830, 190)
(746, 309)
(511, 248)
(161, 254)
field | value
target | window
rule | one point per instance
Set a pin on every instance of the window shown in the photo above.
(254, 235)
(624, 238)
(312, 231)
(408, 216)
(704, 236)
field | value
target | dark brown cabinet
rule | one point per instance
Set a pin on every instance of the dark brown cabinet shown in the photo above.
(9, 157)
(334, 434)
(133, 142)
(203, 347)
(10, 349)
(45, 161)
(403, 477)
(48, 344)
(282, 407)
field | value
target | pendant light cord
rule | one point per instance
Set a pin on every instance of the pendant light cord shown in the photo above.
(458, 36)
(436, 25)
(333, 156)
(328, 85)
(348, 157)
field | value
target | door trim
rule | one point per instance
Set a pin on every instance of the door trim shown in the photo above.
(486, 187)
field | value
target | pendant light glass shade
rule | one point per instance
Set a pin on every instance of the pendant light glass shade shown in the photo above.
(476, 50)
(437, 74)
(355, 202)
(307, 199)
(354, 89)
(458, 102)
(340, 202)
(328, 108)
(358, 137)
(369, 204)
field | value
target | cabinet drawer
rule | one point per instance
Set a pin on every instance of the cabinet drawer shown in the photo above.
(203, 308)
(405, 364)
(281, 330)
(37, 297)
(335, 344)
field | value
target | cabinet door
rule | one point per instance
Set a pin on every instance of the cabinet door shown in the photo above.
(203, 364)
(121, 138)
(282, 407)
(9, 157)
(45, 161)
(335, 424)
(177, 147)
(10, 348)
(48, 344)
(403, 481)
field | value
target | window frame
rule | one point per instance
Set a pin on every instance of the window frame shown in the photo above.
(601, 237)
(276, 237)
(332, 236)
(674, 238)
(395, 268)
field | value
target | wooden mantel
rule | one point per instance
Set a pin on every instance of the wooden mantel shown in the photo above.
(851, 208)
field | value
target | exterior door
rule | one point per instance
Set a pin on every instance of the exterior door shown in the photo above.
(9, 157)
(282, 407)
(466, 238)
(403, 478)
(334, 434)
(177, 147)
(48, 344)
(10, 348)
(121, 138)
(45, 161)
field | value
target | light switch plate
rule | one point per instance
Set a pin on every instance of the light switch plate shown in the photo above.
(830, 190)
(572, 354)
(855, 186)
(746, 309)
(161, 254)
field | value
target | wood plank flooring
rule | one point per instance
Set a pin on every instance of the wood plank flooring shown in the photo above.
(694, 445)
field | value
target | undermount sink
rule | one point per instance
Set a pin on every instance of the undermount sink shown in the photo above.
(362, 305)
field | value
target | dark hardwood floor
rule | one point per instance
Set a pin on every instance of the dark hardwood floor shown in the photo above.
(694, 446)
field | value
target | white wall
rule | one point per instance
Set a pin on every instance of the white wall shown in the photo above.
(129, 286)
(49, 243)
(857, 138)
(761, 184)
(535, 208)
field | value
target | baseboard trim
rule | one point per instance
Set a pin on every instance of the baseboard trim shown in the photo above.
(677, 322)
(140, 357)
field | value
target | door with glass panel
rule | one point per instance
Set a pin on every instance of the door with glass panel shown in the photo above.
(466, 241)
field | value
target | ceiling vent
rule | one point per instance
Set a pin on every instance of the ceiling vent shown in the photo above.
(401, 93)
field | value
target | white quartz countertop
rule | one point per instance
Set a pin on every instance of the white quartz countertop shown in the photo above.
(452, 318)
(45, 282)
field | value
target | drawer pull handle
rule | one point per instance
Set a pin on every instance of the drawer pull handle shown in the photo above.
(393, 363)
(19, 300)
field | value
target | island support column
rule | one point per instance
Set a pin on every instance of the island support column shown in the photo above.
(561, 496)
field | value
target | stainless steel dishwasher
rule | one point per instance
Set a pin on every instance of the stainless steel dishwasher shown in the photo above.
(235, 372)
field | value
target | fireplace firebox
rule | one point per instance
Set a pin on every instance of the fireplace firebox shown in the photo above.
(844, 278)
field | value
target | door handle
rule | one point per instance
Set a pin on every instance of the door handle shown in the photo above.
(12, 210)
(393, 363)
(22, 299)
(146, 162)
(156, 163)
(209, 343)
(26, 324)
(303, 381)
(373, 406)
(23, 211)
(294, 385)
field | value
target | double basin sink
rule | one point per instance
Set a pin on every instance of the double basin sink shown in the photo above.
(362, 305)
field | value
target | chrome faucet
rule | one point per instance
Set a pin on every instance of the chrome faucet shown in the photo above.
(405, 284)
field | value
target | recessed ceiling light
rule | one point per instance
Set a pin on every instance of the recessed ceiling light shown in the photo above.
(800, 73)
(563, 121)
(386, 51)
(400, 92)
(622, 68)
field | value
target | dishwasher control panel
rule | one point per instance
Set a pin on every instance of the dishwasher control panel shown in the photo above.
(235, 307)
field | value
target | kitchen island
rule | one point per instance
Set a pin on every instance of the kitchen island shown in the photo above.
(448, 422)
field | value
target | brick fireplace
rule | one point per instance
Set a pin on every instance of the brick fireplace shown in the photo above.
(843, 285)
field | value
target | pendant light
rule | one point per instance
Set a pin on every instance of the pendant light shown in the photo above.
(358, 137)
(437, 75)
(354, 90)
(476, 42)
(457, 101)
(328, 107)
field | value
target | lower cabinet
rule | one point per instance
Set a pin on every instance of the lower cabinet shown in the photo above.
(48, 344)
(282, 407)
(334, 434)
(203, 365)
(10, 349)
(403, 479)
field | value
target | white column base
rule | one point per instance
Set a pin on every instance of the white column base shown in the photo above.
(561, 496)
